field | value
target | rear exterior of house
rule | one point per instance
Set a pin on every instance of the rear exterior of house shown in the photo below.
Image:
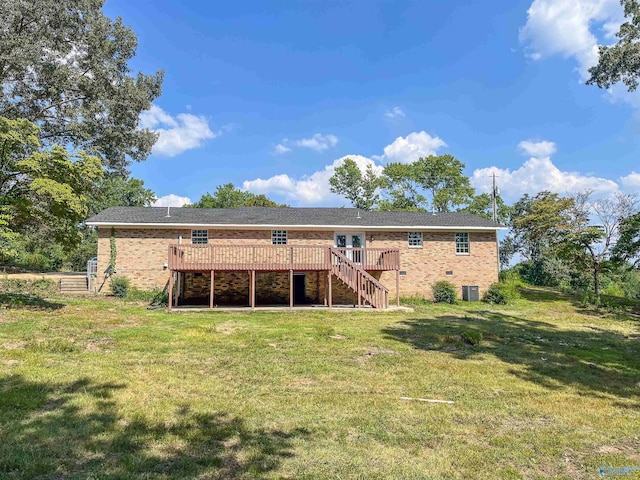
(252, 256)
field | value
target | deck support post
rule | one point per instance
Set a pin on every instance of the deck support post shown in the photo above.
(329, 287)
(397, 288)
(252, 290)
(358, 286)
(291, 288)
(212, 287)
(170, 289)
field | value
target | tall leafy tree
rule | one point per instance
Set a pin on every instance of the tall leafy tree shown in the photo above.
(116, 191)
(627, 247)
(537, 225)
(482, 205)
(434, 182)
(442, 176)
(43, 190)
(402, 189)
(64, 66)
(361, 189)
(228, 196)
(620, 62)
(588, 244)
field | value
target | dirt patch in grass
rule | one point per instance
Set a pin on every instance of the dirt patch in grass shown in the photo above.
(97, 345)
(15, 345)
(302, 383)
(227, 328)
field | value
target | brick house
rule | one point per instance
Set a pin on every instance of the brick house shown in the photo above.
(272, 256)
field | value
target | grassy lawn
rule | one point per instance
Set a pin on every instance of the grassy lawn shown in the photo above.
(105, 389)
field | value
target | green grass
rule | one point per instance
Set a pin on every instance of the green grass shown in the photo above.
(105, 389)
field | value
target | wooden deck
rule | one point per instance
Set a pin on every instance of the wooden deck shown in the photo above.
(202, 258)
(350, 265)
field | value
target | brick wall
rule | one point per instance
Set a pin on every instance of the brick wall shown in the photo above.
(141, 254)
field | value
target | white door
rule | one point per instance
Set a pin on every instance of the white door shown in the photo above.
(351, 242)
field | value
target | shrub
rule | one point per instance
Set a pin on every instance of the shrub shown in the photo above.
(161, 297)
(154, 297)
(495, 295)
(120, 286)
(444, 292)
(472, 337)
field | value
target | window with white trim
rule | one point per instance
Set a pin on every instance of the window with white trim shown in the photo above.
(199, 237)
(278, 237)
(415, 239)
(462, 243)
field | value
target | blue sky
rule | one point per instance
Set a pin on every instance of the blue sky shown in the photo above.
(271, 95)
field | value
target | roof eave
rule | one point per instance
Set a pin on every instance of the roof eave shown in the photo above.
(227, 226)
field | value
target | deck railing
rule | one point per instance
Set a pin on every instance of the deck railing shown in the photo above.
(367, 288)
(276, 257)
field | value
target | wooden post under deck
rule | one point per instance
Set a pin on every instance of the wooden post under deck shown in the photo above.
(358, 286)
(253, 289)
(170, 290)
(290, 288)
(213, 278)
(329, 287)
(398, 288)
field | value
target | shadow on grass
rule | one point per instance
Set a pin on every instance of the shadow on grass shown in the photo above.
(75, 431)
(596, 362)
(24, 301)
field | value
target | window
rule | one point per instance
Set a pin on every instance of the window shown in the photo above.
(462, 243)
(199, 237)
(278, 237)
(415, 239)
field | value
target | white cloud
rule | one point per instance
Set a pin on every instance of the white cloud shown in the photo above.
(310, 190)
(395, 112)
(171, 200)
(538, 174)
(408, 149)
(537, 149)
(631, 181)
(317, 142)
(566, 28)
(176, 135)
(280, 149)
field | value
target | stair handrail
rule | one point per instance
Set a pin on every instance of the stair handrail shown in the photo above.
(366, 275)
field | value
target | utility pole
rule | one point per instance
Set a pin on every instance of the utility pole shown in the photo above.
(494, 195)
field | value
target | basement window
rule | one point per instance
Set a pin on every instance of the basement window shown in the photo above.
(199, 237)
(415, 239)
(278, 237)
(462, 243)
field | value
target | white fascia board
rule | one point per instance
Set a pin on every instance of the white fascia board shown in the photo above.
(228, 226)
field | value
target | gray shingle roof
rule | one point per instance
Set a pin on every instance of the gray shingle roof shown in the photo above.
(285, 217)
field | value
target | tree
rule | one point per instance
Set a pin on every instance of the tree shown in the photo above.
(401, 188)
(482, 205)
(228, 196)
(360, 189)
(590, 245)
(627, 249)
(537, 225)
(116, 191)
(435, 182)
(443, 178)
(41, 190)
(64, 66)
(620, 62)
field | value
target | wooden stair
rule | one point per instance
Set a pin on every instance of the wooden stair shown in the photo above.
(74, 285)
(367, 288)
